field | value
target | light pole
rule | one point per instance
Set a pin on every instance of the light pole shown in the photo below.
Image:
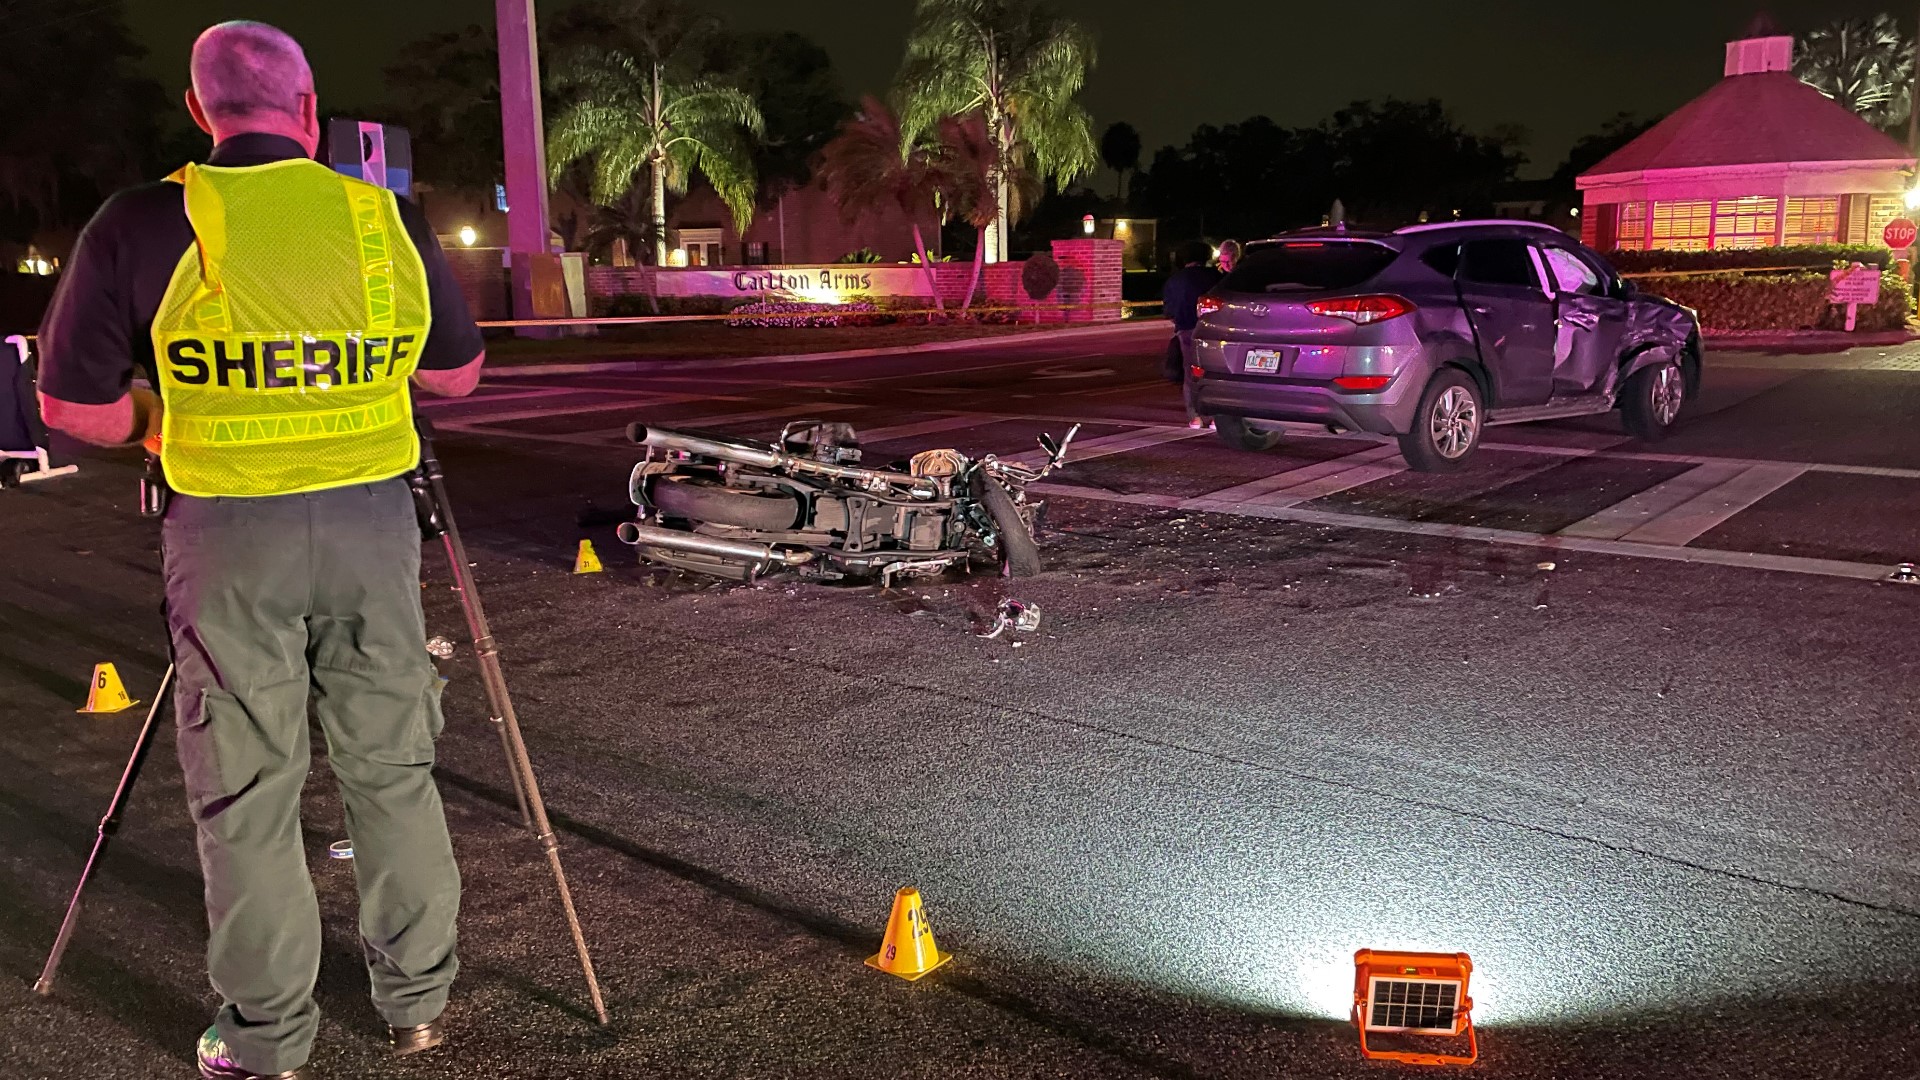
(524, 140)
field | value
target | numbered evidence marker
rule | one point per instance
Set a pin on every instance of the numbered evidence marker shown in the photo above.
(106, 694)
(908, 950)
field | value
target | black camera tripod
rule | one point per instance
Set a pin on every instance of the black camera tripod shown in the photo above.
(435, 514)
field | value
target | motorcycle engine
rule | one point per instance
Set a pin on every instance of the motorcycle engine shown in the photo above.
(939, 464)
(829, 443)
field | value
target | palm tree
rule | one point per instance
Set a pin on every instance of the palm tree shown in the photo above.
(1120, 149)
(1018, 63)
(642, 101)
(869, 165)
(1865, 64)
(972, 156)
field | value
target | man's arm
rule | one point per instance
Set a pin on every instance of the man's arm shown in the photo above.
(86, 344)
(452, 382)
(120, 423)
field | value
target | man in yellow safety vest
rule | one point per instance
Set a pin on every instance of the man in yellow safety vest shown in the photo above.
(280, 311)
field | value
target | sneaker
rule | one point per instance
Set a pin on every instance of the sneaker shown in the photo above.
(412, 1040)
(216, 1063)
(1201, 423)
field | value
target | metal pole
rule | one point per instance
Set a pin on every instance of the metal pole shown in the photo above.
(524, 141)
(109, 825)
(495, 682)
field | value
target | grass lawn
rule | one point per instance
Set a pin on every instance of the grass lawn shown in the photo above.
(717, 340)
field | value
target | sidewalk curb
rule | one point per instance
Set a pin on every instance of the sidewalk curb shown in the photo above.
(1805, 340)
(643, 367)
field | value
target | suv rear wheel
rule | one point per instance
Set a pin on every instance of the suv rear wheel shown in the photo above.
(1243, 434)
(1447, 427)
(1651, 403)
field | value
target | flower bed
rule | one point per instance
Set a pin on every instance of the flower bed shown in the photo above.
(802, 313)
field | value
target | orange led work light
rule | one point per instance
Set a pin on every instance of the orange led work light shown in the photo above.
(1422, 994)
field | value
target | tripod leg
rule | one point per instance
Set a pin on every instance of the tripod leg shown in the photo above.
(526, 787)
(109, 824)
(491, 678)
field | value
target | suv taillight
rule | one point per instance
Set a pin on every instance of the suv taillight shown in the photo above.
(1207, 305)
(1361, 310)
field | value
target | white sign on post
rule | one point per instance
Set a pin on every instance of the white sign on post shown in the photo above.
(1855, 286)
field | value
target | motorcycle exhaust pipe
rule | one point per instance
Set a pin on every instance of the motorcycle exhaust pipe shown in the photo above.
(634, 533)
(663, 439)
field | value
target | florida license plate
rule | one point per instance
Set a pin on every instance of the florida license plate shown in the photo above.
(1264, 360)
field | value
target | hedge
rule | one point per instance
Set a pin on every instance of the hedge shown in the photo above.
(1821, 257)
(1794, 301)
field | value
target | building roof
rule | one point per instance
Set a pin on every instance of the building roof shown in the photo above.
(1759, 119)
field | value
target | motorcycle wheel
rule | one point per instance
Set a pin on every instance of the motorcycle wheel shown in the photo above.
(695, 498)
(1019, 554)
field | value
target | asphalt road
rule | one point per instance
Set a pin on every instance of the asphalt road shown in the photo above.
(1281, 706)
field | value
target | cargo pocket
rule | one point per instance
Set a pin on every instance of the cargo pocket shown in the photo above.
(436, 719)
(223, 752)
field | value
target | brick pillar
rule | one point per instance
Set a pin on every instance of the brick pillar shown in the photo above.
(1090, 277)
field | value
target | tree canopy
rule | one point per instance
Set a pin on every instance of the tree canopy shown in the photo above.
(643, 97)
(1865, 64)
(1387, 161)
(80, 123)
(1018, 63)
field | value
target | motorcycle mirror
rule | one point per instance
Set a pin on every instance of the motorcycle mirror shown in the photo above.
(1046, 443)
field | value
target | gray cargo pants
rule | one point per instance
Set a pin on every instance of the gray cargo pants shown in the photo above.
(272, 602)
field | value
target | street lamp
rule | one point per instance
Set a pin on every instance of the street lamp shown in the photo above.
(468, 235)
(1086, 225)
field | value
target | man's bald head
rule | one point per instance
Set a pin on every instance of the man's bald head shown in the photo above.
(248, 76)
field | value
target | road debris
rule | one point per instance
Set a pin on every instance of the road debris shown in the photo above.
(440, 648)
(1015, 614)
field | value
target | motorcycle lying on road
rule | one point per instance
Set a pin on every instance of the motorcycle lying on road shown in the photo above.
(737, 509)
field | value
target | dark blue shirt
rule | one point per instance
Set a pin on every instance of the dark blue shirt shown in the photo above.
(98, 332)
(1184, 290)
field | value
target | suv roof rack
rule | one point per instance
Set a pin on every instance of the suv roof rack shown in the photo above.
(1512, 223)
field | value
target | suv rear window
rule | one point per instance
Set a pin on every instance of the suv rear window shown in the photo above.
(1307, 266)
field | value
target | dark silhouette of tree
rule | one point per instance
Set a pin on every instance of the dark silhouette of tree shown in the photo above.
(1120, 150)
(793, 81)
(76, 122)
(1592, 149)
(1388, 162)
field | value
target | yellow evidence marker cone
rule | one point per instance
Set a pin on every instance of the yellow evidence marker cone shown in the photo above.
(908, 950)
(106, 694)
(586, 562)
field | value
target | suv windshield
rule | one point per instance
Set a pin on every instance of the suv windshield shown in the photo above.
(1308, 265)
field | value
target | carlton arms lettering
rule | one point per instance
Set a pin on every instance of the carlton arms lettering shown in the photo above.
(305, 363)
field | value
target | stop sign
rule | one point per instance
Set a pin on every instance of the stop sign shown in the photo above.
(1900, 234)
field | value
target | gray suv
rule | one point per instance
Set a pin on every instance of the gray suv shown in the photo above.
(1432, 333)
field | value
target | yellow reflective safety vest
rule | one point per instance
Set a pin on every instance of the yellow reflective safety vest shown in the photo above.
(288, 333)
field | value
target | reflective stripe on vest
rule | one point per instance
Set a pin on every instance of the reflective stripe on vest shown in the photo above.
(287, 334)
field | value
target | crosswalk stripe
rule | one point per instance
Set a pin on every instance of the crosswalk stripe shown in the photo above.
(1629, 514)
(870, 436)
(1665, 552)
(602, 437)
(624, 401)
(1708, 510)
(1108, 445)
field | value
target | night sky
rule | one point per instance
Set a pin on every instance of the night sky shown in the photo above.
(1558, 69)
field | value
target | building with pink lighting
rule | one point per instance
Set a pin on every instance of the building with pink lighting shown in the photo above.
(1760, 160)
